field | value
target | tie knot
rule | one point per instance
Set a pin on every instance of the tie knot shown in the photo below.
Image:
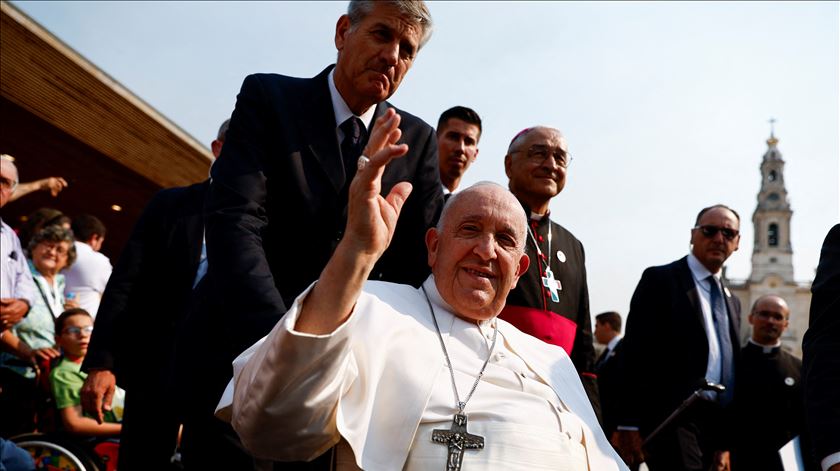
(352, 129)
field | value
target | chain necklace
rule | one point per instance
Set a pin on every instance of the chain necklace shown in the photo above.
(457, 439)
(548, 281)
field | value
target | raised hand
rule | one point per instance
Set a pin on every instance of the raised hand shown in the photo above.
(372, 218)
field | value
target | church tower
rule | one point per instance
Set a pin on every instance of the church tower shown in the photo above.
(772, 251)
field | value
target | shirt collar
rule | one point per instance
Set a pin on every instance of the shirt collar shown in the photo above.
(698, 270)
(341, 110)
(612, 343)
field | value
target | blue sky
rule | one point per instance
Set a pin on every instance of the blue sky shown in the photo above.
(664, 104)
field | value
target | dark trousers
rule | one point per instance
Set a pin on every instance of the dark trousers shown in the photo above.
(690, 442)
(149, 433)
(18, 397)
(209, 443)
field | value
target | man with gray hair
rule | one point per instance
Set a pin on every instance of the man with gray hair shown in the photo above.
(17, 289)
(277, 204)
(417, 379)
(551, 301)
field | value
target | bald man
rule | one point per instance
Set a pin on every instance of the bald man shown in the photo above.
(768, 390)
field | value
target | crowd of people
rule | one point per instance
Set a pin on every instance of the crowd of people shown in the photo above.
(329, 298)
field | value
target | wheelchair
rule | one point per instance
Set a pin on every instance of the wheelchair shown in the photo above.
(54, 450)
(60, 452)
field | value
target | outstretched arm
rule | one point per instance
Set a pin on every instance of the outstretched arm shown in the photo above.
(371, 221)
(53, 184)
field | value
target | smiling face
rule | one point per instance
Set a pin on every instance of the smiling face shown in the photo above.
(50, 257)
(535, 181)
(477, 253)
(713, 251)
(374, 55)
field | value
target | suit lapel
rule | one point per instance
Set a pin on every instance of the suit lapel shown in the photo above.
(688, 287)
(318, 129)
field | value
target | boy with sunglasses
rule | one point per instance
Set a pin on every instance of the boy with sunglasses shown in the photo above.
(73, 329)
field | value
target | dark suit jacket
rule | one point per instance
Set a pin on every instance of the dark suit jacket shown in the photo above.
(276, 210)
(609, 387)
(665, 347)
(143, 308)
(821, 351)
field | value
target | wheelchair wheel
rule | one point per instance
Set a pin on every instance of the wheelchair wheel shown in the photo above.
(54, 453)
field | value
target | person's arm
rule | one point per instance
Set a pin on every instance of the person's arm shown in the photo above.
(52, 184)
(12, 311)
(77, 424)
(236, 219)
(821, 356)
(306, 358)
(640, 331)
(102, 361)
(11, 343)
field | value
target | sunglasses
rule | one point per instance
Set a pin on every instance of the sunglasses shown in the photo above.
(711, 231)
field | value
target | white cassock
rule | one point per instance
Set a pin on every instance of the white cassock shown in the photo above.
(379, 384)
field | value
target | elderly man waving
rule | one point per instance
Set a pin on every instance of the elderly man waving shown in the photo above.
(405, 378)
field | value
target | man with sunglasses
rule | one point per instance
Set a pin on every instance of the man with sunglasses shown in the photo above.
(551, 300)
(682, 330)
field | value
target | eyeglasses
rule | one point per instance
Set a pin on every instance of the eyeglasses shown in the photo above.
(711, 231)
(538, 154)
(770, 316)
(73, 330)
(59, 249)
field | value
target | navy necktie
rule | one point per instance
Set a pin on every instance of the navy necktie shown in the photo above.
(727, 377)
(352, 145)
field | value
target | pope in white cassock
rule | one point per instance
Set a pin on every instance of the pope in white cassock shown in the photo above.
(416, 379)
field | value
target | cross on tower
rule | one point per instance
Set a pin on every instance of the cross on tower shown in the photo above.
(772, 121)
(457, 439)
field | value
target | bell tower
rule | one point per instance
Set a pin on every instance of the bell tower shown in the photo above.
(772, 250)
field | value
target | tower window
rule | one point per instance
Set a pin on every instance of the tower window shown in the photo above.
(773, 235)
(773, 197)
(772, 176)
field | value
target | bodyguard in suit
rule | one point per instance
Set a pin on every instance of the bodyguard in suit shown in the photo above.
(607, 367)
(136, 333)
(681, 329)
(277, 207)
(821, 356)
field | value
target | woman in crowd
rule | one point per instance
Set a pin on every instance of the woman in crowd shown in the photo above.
(32, 341)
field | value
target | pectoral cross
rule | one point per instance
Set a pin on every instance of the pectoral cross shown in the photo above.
(457, 439)
(553, 285)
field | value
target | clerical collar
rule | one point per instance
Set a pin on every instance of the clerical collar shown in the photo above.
(341, 110)
(766, 348)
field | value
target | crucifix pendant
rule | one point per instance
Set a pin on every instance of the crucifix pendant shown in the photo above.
(457, 439)
(553, 285)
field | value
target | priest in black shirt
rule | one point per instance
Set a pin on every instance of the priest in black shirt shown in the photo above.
(551, 300)
(768, 391)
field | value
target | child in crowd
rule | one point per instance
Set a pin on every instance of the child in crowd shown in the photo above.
(72, 334)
